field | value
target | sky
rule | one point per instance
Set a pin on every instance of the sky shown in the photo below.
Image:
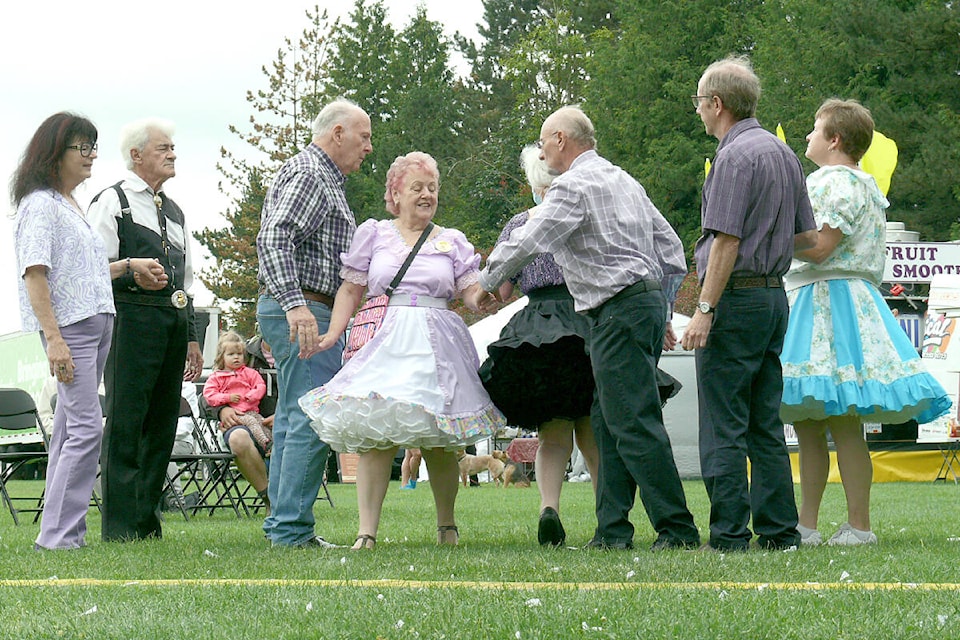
(191, 62)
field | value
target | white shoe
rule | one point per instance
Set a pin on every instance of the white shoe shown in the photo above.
(847, 536)
(809, 537)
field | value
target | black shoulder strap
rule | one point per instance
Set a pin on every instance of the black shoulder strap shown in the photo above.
(126, 228)
(406, 264)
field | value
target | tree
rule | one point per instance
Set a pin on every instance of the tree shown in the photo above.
(295, 81)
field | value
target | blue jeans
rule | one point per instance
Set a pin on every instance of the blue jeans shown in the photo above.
(299, 457)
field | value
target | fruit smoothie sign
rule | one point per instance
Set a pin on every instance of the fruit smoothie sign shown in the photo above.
(920, 261)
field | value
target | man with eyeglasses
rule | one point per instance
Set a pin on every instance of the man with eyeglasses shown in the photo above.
(155, 343)
(623, 264)
(754, 212)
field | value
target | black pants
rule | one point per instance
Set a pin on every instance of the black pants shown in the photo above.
(625, 343)
(143, 380)
(741, 383)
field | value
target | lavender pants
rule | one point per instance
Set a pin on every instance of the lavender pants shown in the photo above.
(77, 432)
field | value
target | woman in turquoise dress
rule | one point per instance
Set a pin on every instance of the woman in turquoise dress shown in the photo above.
(845, 358)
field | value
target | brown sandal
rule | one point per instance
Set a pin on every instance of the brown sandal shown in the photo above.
(442, 537)
(365, 541)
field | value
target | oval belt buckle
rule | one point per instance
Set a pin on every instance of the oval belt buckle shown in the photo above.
(179, 299)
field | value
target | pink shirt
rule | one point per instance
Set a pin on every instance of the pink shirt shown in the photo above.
(245, 382)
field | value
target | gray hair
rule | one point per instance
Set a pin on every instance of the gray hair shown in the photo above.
(735, 83)
(575, 123)
(333, 114)
(135, 135)
(538, 173)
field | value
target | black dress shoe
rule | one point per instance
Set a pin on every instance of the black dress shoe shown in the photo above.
(666, 543)
(550, 530)
(597, 543)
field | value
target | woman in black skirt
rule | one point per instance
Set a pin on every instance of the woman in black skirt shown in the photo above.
(538, 372)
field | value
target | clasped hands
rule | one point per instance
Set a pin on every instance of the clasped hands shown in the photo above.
(149, 274)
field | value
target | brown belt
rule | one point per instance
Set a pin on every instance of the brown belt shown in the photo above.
(315, 296)
(754, 282)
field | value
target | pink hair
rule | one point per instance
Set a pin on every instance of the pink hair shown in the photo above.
(399, 170)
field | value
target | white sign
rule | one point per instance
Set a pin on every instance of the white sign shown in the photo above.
(920, 261)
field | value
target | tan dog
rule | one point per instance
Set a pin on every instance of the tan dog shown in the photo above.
(472, 465)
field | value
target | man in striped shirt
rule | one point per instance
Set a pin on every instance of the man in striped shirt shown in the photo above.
(623, 263)
(305, 225)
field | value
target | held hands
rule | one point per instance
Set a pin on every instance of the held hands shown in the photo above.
(149, 274)
(479, 300)
(326, 341)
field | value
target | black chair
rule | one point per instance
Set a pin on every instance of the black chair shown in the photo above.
(18, 412)
(209, 471)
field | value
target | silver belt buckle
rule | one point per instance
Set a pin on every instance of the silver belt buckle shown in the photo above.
(179, 299)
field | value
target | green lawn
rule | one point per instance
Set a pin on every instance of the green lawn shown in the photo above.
(216, 577)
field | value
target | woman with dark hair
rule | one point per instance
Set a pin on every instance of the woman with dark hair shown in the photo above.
(65, 294)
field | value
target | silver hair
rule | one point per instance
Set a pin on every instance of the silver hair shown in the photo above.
(135, 135)
(538, 173)
(333, 114)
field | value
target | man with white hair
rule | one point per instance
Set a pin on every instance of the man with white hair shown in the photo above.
(305, 225)
(155, 344)
(623, 264)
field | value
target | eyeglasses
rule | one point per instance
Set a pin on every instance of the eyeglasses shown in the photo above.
(542, 142)
(697, 99)
(85, 149)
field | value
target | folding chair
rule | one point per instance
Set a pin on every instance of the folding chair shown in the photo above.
(209, 471)
(18, 412)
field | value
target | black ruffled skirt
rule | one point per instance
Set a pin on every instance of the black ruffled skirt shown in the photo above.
(539, 370)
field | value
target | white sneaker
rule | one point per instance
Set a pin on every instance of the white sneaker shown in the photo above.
(847, 536)
(809, 537)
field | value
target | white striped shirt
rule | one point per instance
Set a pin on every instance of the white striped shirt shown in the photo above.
(603, 231)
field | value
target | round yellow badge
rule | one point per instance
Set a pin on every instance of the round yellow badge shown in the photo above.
(443, 245)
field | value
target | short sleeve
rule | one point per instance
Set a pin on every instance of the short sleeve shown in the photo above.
(831, 195)
(35, 231)
(466, 261)
(356, 260)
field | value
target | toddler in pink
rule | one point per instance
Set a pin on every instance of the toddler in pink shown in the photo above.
(235, 384)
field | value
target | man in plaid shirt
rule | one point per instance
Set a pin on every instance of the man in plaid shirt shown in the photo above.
(306, 224)
(623, 263)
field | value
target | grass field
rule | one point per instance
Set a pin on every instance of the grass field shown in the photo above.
(216, 577)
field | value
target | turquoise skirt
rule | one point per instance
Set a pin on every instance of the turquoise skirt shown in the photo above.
(845, 354)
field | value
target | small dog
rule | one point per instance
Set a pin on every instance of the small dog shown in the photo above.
(472, 465)
(513, 474)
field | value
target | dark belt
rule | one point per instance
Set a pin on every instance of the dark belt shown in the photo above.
(316, 296)
(164, 300)
(754, 282)
(642, 286)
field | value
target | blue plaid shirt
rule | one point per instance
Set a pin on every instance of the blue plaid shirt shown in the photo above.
(305, 225)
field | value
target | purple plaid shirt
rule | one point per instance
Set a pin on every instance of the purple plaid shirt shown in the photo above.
(543, 271)
(305, 225)
(756, 192)
(602, 230)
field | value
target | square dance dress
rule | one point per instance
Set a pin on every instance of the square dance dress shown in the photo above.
(415, 383)
(844, 352)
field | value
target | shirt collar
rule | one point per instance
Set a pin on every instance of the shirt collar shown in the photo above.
(136, 183)
(738, 129)
(583, 157)
(321, 156)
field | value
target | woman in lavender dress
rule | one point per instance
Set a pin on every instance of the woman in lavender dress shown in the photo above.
(415, 384)
(65, 294)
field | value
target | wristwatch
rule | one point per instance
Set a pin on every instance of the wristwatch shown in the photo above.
(705, 307)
